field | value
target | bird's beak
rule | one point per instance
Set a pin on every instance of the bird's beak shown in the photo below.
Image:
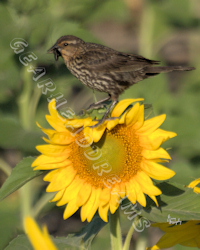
(55, 49)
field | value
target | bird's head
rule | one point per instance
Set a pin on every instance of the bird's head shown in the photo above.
(66, 46)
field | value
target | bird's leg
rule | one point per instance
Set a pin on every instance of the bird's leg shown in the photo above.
(98, 104)
(105, 115)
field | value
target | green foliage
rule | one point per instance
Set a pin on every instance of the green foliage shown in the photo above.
(9, 208)
(14, 136)
(21, 242)
(177, 201)
(20, 175)
(158, 24)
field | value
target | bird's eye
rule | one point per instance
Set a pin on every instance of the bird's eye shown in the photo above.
(65, 44)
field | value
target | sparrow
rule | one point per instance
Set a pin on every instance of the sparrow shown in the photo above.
(104, 69)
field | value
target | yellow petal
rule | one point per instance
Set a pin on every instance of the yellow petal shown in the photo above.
(194, 183)
(160, 133)
(154, 199)
(61, 138)
(150, 144)
(132, 114)
(49, 166)
(105, 196)
(146, 184)
(95, 133)
(60, 178)
(122, 105)
(122, 192)
(54, 150)
(152, 124)
(139, 194)
(86, 208)
(95, 205)
(157, 171)
(103, 212)
(47, 140)
(155, 154)
(54, 119)
(49, 177)
(112, 123)
(55, 115)
(98, 132)
(39, 240)
(52, 107)
(114, 201)
(46, 131)
(55, 123)
(131, 195)
(116, 190)
(44, 159)
(197, 190)
(70, 209)
(84, 194)
(140, 119)
(58, 195)
(77, 123)
(122, 119)
(71, 191)
(155, 247)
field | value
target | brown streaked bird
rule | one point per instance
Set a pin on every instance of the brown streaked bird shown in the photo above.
(104, 69)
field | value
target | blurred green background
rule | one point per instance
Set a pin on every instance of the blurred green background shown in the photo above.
(168, 31)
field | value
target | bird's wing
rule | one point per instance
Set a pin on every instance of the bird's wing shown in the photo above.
(107, 60)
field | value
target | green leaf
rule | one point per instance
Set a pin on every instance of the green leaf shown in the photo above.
(20, 175)
(9, 209)
(177, 201)
(88, 233)
(12, 135)
(21, 242)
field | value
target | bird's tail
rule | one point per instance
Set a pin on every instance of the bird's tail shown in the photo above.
(151, 71)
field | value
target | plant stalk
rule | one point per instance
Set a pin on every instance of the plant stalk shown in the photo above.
(115, 231)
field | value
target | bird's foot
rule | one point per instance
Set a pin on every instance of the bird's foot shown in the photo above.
(96, 106)
(93, 106)
(102, 121)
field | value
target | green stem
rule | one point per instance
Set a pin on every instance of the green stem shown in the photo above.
(24, 100)
(129, 235)
(115, 231)
(95, 98)
(33, 103)
(41, 203)
(146, 34)
(24, 116)
(5, 167)
(26, 199)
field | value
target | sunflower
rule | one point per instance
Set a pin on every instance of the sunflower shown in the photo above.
(39, 239)
(187, 234)
(95, 168)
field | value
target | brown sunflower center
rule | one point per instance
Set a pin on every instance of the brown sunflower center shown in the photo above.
(118, 154)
